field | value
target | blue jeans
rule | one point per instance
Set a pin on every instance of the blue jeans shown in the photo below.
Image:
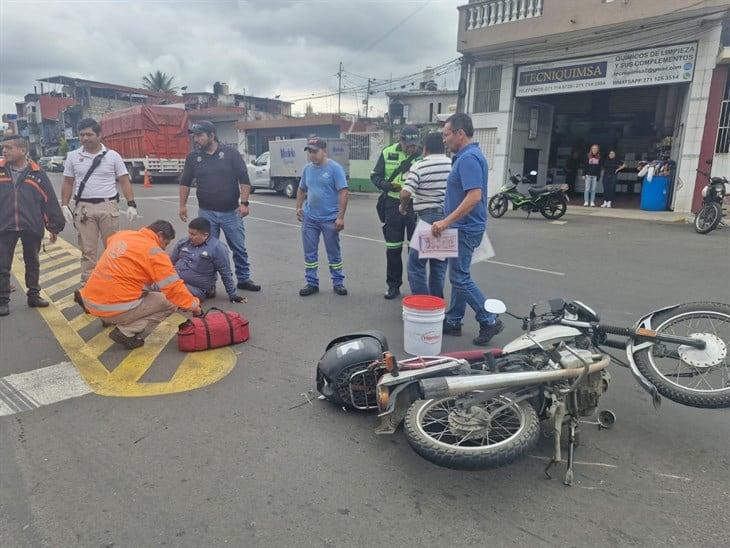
(311, 229)
(463, 289)
(417, 279)
(590, 190)
(232, 225)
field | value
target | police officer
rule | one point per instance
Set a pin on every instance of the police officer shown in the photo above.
(223, 187)
(388, 175)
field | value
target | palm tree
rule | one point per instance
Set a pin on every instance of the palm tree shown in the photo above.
(159, 81)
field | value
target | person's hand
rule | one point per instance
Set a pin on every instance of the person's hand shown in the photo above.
(197, 311)
(237, 299)
(52, 237)
(438, 227)
(300, 214)
(339, 224)
(132, 213)
(396, 187)
(243, 210)
(184, 214)
(402, 209)
(68, 214)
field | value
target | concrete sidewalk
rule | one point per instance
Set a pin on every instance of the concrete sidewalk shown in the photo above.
(631, 214)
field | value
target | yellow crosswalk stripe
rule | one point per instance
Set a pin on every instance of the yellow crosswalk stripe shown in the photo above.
(99, 343)
(59, 271)
(63, 259)
(81, 321)
(65, 302)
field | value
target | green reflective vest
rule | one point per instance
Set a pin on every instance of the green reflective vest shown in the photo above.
(394, 157)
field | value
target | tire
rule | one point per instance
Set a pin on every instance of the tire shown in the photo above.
(498, 205)
(554, 207)
(648, 362)
(708, 218)
(290, 189)
(477, 457)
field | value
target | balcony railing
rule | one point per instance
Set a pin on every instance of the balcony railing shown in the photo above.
(495, 12)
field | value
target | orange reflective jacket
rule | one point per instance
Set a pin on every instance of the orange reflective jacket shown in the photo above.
(133, 260)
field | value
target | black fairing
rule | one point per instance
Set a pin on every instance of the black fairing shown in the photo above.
(346, 352)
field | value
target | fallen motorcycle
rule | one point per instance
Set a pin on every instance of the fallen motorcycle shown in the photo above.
(478, 410)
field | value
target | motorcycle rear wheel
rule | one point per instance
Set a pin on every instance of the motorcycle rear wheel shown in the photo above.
(554, 207)
(702, 384)
(708, 218)
(498, 205)
(441, 433)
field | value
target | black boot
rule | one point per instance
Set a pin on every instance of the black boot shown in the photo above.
(35, 301)
(392, 293)
(248, 285)
(308, 290)
(487, 331)
(130, 343)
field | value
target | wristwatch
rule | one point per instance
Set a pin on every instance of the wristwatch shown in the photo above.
(244, 202)
(132, 203)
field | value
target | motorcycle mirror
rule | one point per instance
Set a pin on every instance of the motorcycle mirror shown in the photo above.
(533, 172)
(495, 306)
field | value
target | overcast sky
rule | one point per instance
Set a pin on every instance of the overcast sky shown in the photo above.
(265, 47)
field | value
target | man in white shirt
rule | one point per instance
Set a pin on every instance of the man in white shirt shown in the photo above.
(425, 184)
(96, 198)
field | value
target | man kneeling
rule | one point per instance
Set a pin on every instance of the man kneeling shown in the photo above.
(118, 289)
(199, 258)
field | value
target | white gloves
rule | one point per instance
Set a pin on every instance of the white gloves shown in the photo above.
(68, 214)
(131, 213)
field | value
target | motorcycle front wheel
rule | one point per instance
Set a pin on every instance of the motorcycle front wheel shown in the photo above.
(708, 218)
(698, 378)
(498, 205)
(554, 207)
(485, 435)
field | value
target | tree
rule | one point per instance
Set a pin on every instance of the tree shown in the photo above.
(159, 81)
(62, 147)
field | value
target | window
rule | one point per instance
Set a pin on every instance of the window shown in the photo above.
(439, 108)
(405, 112)
(487, 139)
(430, 112)
(722, 145)
(486, 89)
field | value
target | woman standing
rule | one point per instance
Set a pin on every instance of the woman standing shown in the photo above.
(612, 166)
(591, 173)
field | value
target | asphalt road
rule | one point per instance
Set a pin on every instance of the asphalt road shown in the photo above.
(242, 462)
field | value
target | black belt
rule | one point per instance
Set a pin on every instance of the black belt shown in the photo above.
(114, 198)
(434, 209)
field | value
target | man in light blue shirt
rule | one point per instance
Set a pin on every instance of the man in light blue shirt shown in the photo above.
(324, 187)
(465, 208)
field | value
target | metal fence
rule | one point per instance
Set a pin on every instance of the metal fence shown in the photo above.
(364, 146)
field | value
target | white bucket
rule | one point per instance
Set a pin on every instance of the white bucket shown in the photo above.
(423, 319)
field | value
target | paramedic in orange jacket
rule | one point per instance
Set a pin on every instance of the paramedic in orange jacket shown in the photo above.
(119, 290)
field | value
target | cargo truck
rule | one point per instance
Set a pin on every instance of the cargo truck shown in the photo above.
(280, 169)
(152, 138)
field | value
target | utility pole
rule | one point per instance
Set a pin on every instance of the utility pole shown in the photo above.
(367, 97)
(339, 90)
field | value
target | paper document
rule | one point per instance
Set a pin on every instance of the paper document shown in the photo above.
(431, 247)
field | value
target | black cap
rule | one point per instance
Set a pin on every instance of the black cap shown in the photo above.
(410, 135)
(315, 143)
(204, 126)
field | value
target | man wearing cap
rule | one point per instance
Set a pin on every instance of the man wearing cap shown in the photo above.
(324, 187)
(388, 175)
(223, 188)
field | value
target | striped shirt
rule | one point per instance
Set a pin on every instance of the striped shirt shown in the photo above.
(426, 182)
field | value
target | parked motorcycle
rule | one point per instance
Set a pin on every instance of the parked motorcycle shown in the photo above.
(550, 200)
(477, 410)
(710, 216)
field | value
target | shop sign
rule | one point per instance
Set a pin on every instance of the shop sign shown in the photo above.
(645, 67)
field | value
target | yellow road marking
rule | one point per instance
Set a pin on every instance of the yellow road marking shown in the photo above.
(59, 271)
(57, 288)
(61, 260)
(196, 369)
(81, 321)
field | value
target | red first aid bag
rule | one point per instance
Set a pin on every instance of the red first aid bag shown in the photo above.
(213, 329)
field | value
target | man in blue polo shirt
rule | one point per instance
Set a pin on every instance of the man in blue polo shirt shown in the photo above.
(223, 188)
(466, 210)
(324, 186)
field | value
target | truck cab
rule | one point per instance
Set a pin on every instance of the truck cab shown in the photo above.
(259, 170)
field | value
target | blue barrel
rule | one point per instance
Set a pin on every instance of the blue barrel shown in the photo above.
(655, 193)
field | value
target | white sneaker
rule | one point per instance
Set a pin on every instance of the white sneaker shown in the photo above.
(604, 204)
(585, 204)
(609, 204)
(593, 204)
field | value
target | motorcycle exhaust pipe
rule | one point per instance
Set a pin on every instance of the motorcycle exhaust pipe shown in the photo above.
(442, 387)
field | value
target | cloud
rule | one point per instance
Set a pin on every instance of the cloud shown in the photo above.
(269, 47)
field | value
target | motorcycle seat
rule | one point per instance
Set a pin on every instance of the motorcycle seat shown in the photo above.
(537, 191)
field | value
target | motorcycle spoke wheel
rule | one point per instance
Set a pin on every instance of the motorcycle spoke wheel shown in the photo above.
(498, 206)
(487, 434)
(700, 378)
(708, 218)
(554, 208)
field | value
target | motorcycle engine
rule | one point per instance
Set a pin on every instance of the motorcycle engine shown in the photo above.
(590, 389)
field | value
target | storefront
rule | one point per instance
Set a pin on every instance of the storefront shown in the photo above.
(632, 102)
